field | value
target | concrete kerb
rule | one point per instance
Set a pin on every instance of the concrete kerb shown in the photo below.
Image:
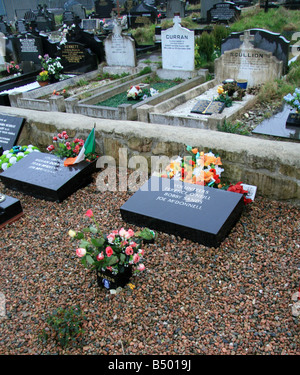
(273, 166)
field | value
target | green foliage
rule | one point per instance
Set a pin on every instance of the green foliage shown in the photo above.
(66, 325)
(219, 32)
(144, 71)
(237, 128)
(144, 35)
(146, 234)
(277, 20)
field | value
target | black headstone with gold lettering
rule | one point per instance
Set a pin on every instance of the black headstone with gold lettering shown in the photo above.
(103, 8)
(77, 59)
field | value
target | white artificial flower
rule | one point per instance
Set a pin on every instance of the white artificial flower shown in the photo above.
(13, 160)
(6, 152)
(4, 166)
(9, 155)
(21, 153)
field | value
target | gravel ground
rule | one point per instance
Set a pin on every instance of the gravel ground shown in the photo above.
(190, 300)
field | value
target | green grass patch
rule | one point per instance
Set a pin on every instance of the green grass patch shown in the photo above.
(237, 128)
(277, 20)
(121, 98)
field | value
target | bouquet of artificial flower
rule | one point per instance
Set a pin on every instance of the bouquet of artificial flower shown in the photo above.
(62, 147)
(114, 252)
(293, 100)
(12, 156)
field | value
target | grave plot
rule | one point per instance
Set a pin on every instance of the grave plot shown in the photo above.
(113, 103)
(52, 97)
(196, 108)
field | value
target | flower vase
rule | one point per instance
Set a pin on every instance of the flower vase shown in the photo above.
(108, 280)
(43, 83)
(293, 120)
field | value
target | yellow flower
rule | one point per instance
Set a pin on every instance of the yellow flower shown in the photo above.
(72, 233)
(220, 90)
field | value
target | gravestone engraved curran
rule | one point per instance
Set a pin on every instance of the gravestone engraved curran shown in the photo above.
(119, 48)
(177, 45)
(248, 63)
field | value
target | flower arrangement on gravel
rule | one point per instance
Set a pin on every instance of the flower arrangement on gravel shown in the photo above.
(293, 99)
(202, 169)
(63, 147)
(137, 93)
(52, 66)
(113, 252)
(12, 156)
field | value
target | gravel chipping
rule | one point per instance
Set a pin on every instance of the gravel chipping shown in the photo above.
(191, 299)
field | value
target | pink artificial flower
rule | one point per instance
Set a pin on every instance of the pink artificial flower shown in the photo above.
(122, 232)
(141, 251)
(54, 139)
(50, 148)
(111, 238)
(136, 258)
(109, 251)
(141, 267)
(129, 250)
(64, 132)
(81, 143)
(80, 252)
(133, 244)
(68, 144)
(69, 147)
(115, 232)
(76, 140)
(89, 213)
(100, 256)
(109, 268)
(59, 135)
(66, 136)
(130, 233)
(124, 243)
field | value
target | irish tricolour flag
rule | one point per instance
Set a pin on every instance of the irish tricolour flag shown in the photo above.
(87, 148)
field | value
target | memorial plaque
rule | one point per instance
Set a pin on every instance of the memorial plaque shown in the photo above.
(293, 120)
(199, 213)
(208, 107)
(10, 210)
(44, 176)
(10, 129)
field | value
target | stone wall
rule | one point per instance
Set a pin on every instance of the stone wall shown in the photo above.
(273, 166)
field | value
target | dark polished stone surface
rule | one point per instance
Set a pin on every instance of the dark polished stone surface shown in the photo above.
(203, 214)
(10, 129)
(276, 125)
(9, 208)
(44, 176)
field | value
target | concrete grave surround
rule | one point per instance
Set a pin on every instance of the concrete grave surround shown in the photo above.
(120, 49)
(248, 63)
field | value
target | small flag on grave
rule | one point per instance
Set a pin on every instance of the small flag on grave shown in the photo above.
(87, 148)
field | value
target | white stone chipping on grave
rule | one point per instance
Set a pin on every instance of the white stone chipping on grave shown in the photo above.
(178, 52)
(119, 51)
(254, 65)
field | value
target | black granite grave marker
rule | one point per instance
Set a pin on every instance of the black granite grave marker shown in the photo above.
(224, 12)
(10, 129)
(76, 58)
(29, 48)
(44, 176)
(68, 18)
(200, 213)
(10, 210)
(103, 8)
(208, 107)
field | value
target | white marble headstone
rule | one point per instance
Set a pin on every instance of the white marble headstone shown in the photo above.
(119, 48)
(178, 47)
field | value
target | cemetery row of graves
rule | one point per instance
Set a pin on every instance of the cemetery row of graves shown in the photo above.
(67, 76)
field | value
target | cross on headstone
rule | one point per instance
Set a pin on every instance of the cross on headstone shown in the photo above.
(118, 9)
(247, 38)
(176, 19)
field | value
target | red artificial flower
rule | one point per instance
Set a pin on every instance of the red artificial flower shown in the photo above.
(54, 139)
(89, 213)
(109, 251)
